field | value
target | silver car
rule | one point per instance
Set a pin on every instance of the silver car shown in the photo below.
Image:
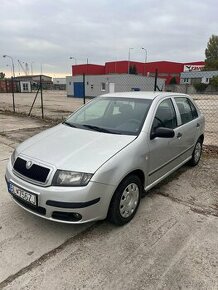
(100, 161)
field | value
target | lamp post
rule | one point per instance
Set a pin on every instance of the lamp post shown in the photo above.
(146, 56)
(72, 57)
(129, 58)
(31, 65)
(10, 68)
(12, 79)
(12, 62)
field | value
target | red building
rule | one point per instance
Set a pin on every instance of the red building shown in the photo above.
(6, 86)
(166, 69)
(88, 69)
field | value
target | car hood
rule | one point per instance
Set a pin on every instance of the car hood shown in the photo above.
(73, 149)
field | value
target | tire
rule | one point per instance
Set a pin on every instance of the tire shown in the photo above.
(196, 155)
(125, 201)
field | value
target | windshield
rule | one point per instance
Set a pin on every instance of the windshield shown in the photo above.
(111, 115)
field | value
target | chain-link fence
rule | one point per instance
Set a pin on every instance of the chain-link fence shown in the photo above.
(197, 85)
(59, 104)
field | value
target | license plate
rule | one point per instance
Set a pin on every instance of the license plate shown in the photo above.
(28, 197)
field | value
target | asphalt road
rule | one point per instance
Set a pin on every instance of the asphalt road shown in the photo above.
(170, 244)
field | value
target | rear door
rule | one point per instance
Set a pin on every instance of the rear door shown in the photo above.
(163, 151)
(188, 124)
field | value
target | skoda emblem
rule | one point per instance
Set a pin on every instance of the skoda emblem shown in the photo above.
(28, 164)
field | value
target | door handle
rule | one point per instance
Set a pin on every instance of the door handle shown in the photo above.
(198, 125)
(179, 135)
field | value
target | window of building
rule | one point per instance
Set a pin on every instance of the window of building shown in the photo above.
(25, 87)
(103, 86)
(186, 80)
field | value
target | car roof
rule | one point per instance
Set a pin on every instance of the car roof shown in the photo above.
(142, 95)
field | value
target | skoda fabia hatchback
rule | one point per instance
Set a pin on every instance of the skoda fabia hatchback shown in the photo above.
(99, 162)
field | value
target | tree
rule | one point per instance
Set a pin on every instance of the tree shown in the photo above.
(133, 70)
(200, 87)
(173, 81)
(211, 53)
(214, 82)
(2, 75)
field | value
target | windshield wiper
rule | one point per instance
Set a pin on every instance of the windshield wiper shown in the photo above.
(99, 129)
(69, 124)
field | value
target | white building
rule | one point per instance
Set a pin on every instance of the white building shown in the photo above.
(96, 85)
(193, 77)
(59, 83)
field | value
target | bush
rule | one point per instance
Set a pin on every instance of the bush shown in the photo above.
(214, 82)
(173, 81)
(200, 87)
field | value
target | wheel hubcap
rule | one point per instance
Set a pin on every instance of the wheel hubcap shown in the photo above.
(197, 153)
(129, 200)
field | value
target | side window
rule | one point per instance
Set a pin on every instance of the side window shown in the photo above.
(194, 111)
(165, 116)
(185, 110)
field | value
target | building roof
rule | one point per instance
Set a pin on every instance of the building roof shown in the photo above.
(198, 74)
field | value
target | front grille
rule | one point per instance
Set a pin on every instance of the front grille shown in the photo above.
(35, 172)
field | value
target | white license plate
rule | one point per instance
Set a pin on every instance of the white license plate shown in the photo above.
(24, 195)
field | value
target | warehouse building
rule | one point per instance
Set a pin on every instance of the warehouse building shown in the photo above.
(59, 83)
(94, 85)
(167, 70)
(193, 77)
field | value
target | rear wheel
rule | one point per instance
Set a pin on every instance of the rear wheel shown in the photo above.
(125, 201)
(196, 155)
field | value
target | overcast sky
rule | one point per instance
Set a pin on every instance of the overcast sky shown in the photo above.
(48, 32)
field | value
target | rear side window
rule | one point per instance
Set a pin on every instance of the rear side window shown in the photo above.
(187, 113)
(165, 116)
(194, 110)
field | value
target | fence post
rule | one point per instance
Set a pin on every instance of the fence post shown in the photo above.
(84, 86)
(41, 97)
(12, 90)
(155, 80)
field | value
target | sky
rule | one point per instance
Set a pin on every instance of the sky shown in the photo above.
(46, 33)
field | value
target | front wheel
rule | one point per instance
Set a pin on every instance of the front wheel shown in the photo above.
(196, 155)
(125, 201)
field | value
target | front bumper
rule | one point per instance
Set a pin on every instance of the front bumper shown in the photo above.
(65, 204)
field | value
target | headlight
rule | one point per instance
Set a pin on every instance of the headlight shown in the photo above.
(71, 178)
(13, 157)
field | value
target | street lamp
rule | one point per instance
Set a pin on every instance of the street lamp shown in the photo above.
(72, 57)
(31, 66)
(12, 61)
(129, 59)
(146, 56)
(12, 79)
(10, 68)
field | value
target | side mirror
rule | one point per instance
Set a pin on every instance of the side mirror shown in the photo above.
(162, 132)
